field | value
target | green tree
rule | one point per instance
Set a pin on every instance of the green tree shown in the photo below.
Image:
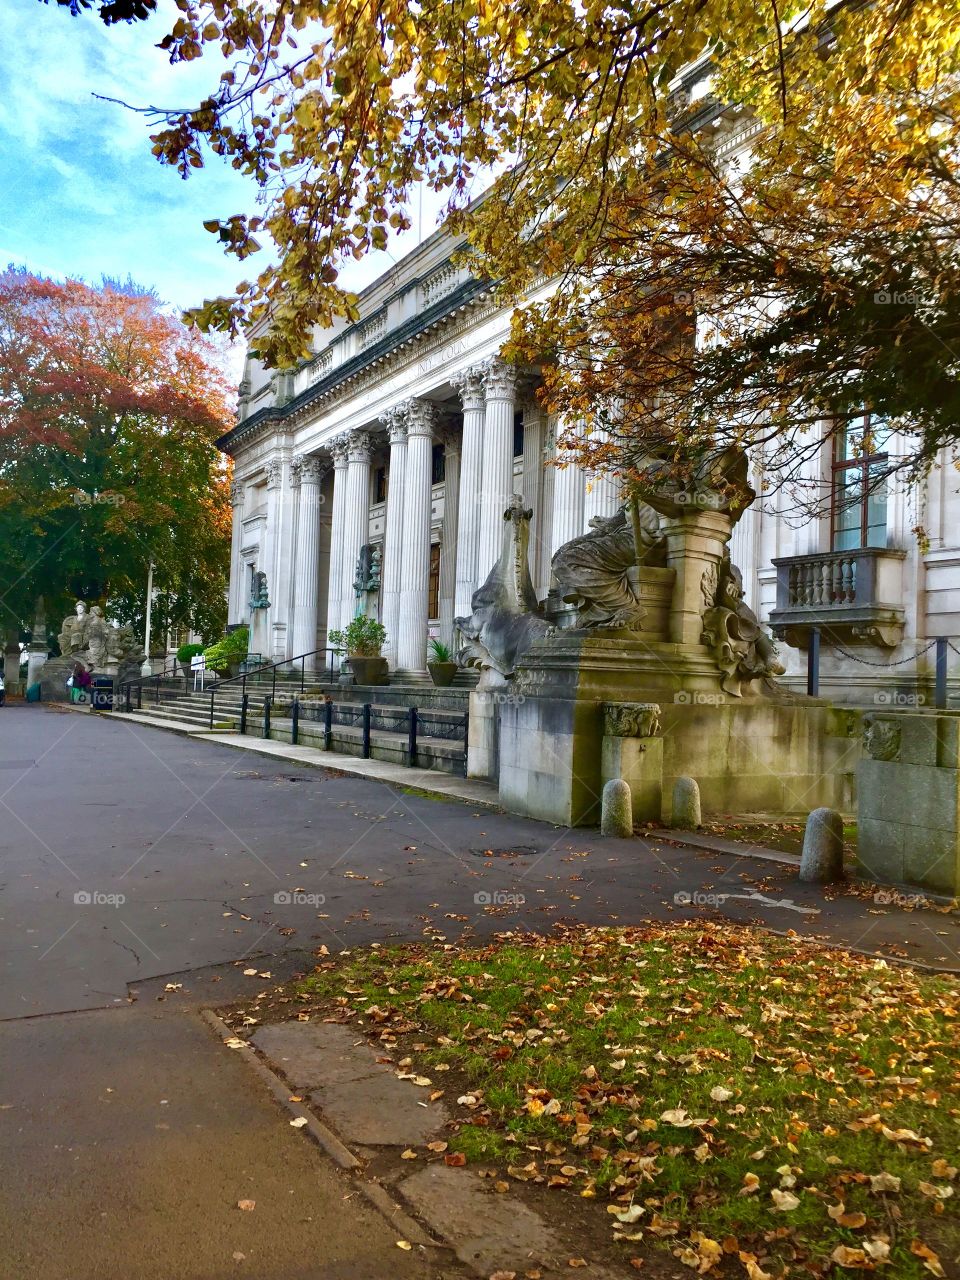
(109, 410)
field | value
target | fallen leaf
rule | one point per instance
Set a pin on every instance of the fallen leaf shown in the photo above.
(930, 1260)
(456, 1159)
(856, 1259)
(404, 1244)
(783, 1201)
(719, 1094)
(299, 1122)
(247, 1205)
(408, 1154)
(884, 1182)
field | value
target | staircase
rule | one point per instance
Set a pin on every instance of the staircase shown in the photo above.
(440, 723)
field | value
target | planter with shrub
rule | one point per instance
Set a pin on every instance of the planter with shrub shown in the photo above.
(361, 642)
(227, 654)
(441, 664)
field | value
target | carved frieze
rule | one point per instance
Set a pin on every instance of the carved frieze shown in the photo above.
(631, 720)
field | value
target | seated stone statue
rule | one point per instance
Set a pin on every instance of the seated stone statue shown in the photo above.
(594, 570)
(73, 633)
(742, 649)
(505, 618)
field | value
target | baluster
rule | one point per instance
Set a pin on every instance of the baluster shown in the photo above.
(853, 580)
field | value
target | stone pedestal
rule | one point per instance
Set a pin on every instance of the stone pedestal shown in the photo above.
(908, 801)
(749, 755)
(633, 751)
(696, 542)
(483, 734)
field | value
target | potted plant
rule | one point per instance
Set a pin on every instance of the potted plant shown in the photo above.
(441, 664)
(362, 641)
(227, 654)
(184, 654)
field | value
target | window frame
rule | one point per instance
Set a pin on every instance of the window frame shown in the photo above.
(840, 464)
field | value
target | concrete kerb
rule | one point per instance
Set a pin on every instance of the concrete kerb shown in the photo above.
(325, 1138)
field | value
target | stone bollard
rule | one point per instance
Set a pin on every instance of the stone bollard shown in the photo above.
(616, 809)
(821, 861)
(686, 804)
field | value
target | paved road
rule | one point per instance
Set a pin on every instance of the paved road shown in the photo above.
(130, 858)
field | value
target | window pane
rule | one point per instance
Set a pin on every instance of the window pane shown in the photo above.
(876, 509)
(433, 590)
(848, 507)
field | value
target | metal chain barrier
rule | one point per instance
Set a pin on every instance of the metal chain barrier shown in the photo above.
(865, 662)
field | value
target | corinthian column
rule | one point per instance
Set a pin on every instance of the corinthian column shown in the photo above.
(497, 469)
(307, 587)
(470, 386)
(448, 533)
(602, 497)
(567, 497)
(338, 448)
(393, 537)
(356, 520)
(235, 610)
(415, 567)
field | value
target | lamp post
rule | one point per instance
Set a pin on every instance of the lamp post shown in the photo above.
(147, 669)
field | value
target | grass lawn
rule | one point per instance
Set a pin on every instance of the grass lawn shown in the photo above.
(754, 1105)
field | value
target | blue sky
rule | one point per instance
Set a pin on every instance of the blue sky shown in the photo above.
(80, 192)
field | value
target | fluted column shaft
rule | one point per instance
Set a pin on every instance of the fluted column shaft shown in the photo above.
(356, 520)
(568, 489)
(470, 386)
(602, 496)
(534, 432)
(415, 567)
(306, 603)
(449, 539)
(497, 469)
(338, 448)
(235, 610)
(393, 536)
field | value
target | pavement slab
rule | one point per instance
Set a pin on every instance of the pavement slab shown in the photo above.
(363, 1099)
(491, 1232)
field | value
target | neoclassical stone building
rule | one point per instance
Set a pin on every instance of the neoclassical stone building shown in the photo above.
(405, 435)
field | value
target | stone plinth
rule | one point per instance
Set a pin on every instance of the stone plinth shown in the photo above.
(633, 750)
(908, 801)
(749, 755)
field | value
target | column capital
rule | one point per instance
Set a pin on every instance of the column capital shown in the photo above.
(274, 470)
(469, 384)
(338, 448)
(309, 468)
(500, 379)
(395, 425)
(236, 493)
(420, 416)
(358, 446)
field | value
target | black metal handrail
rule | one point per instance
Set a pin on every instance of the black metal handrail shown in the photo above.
(325, 672)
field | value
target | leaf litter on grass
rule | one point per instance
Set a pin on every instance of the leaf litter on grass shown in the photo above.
(754, 1105)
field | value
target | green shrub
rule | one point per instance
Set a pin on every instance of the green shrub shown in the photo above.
(363, 638)
(439, 652)
(230, 648)
(188, 651)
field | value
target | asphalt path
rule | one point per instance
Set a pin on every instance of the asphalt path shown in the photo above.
(133, 861)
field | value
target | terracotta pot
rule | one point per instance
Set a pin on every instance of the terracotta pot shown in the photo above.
(371, 671)
(442, 673)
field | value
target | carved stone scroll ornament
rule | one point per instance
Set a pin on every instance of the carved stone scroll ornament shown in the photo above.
(593, 571)
(731, 630)
(631, 719)
(881, 738)
(505, 618)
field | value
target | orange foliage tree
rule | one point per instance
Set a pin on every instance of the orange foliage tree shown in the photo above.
(109, 413)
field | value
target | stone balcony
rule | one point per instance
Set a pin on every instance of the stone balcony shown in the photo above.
(855, 597)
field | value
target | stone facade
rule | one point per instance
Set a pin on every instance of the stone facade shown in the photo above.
(407, 433)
